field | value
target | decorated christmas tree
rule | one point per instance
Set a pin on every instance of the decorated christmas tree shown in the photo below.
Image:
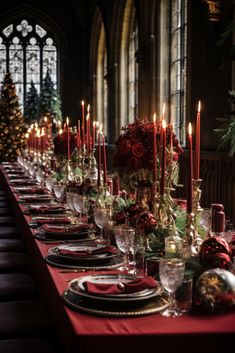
(12, 125)
(49, 101)
(31, 105)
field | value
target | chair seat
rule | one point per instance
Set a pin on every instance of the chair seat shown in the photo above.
(13, 262)
(6, 221)
(25, 345)
(15, 286)
(12, 245)
(8, 232)
(25, 318)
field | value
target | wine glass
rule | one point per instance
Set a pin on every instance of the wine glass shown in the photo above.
(49, 182)
(101, 217)
(171, 271)
(59, 190)
(70, 203)
(124, 239)
(137, 250)
(40, 177)
(79, 203)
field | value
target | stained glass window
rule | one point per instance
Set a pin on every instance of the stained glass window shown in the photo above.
(28, 51)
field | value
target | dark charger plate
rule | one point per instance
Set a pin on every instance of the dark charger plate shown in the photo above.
(150, 306)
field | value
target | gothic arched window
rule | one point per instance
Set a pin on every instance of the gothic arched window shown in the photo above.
(128, 66)
(28, 51)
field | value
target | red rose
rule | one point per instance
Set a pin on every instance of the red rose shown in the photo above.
(134, 163)
(138, 150)
(124, 146)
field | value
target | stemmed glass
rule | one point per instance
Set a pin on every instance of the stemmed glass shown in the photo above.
(171, 271)
(79, 203)
(137, 250)
(40, 177)
(49, 183)
(124, 236)
(101, 217)
(70, 203)
(59, 190)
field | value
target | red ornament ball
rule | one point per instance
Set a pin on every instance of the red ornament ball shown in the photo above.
(146, 221)
(215, 252)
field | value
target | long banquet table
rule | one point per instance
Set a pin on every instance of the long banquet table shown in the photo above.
(80, 332)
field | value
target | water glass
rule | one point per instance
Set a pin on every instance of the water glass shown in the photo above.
(171, 271)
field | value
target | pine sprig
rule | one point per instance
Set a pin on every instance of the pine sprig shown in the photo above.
(227, 131)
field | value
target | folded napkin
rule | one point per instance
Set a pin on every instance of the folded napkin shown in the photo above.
(46, 208)
(65, 229)
(109, 250)
(58, 220)
(32, 190)
(133, 286)
(35, 198)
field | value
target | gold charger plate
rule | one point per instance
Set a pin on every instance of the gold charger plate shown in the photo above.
(152, 306)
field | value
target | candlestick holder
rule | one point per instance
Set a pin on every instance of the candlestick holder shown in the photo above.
(189, 247)
(92, 168)
(197, 196)
(164, 214)
(197, 209)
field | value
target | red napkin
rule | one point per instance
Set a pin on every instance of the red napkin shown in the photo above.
(134, 286)
(62, 220)
(33, 190)
(46, 208)
(35, 198)
(103, 250)
(67, 229)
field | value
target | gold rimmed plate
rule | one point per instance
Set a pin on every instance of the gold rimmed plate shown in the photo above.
(154, 305)
(73, 263)
(84, 252)
(77, 286)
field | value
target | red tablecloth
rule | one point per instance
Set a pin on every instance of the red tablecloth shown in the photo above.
(85, 333)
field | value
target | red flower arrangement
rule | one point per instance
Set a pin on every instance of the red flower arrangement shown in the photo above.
(61, 143)
(134, 147)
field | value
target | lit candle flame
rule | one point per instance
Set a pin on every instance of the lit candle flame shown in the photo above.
(88, 108)
(45, 119)
(27, 135)
(199, 107)
(60, 131)
(154, 117)
(164, 124)
(82, 103)
(67, 121)
(190, 129)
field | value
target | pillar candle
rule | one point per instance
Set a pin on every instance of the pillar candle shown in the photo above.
(190, 171)
(163, 171)
(68, 137)
(154, 149)
(197, 145)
